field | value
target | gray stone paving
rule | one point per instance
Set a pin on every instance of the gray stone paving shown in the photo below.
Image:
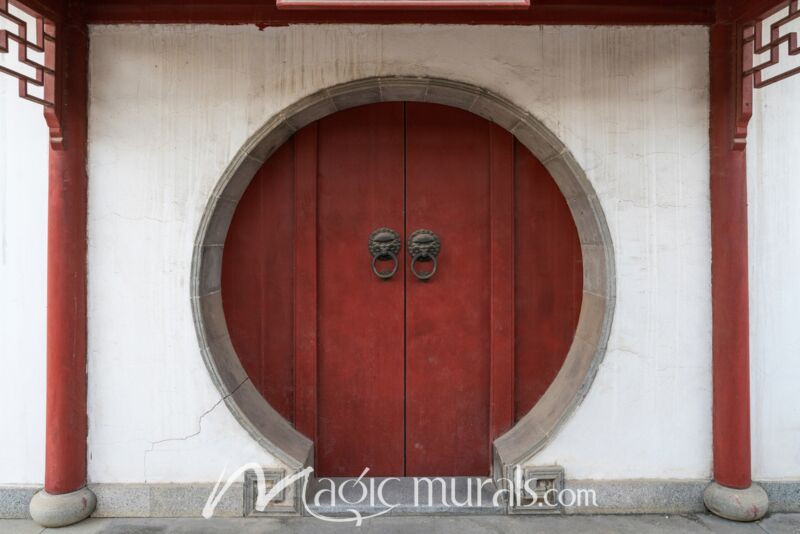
(643, 524)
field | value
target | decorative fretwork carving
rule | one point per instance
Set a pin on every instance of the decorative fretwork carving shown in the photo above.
(28, 53)
(769, 53)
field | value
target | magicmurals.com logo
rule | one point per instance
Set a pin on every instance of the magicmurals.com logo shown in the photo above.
(371, 492)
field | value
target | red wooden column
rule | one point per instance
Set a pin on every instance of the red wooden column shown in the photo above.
(732, 494)
(65, 499)
(729, 275)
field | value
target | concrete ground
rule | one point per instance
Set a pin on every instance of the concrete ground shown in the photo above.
(644, 524)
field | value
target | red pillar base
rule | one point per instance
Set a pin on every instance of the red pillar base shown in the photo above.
(59, 510)
(750, 504)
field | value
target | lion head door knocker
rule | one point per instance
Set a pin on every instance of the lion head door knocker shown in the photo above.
(424, 247)
(384, 245)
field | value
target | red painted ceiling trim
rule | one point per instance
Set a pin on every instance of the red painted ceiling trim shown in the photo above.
(403, 4)
(743, 10)
(265, 13)
(51, 9)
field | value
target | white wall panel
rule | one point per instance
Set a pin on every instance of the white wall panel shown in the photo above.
(773, 167)
(23, 286)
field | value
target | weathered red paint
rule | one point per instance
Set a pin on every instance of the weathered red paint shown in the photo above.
(403, 376)
(448, 326)
(743, 10)
(502, 223)
(266, 13)
(729, 273)
(744, 86)
(549, 280)
(361, 348)
(403, 4)
(65, 451)
(258, 299)
(306, 298)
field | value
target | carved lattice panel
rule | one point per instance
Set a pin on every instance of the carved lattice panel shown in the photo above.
(771, 48)
(769, 53)
(27, 51)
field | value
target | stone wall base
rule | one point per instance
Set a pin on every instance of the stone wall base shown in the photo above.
(187, 500)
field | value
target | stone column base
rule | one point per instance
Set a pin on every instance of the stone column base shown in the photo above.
(749, 504)
(51, 510)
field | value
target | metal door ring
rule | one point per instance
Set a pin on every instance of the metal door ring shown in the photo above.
(424, 245)
(425, 259)
(384, 244)
(385, 275)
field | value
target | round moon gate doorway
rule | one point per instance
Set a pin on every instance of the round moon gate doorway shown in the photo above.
(402, 282)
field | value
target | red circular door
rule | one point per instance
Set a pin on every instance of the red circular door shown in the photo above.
(407, 371)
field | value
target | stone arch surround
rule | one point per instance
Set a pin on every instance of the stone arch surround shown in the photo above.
(571, 384)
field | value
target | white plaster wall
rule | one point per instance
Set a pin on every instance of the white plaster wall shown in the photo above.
(23, 286)
(773, 154)
(170, 105)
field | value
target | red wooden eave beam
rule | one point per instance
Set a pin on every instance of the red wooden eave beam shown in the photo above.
(743, 10)
(266, 13)
(427, 5)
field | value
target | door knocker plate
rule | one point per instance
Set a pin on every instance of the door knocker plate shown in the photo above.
(424, 246)
(384, 244)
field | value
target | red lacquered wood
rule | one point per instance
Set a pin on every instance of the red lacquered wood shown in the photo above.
(267, 14)
(52, 9)
(305, 281)
(447, 318)
(745, 10)
(65, 439)
(360, 188)
(257, 282)
(297, 279)
(549, 280)
(403, 4)
(729, 274)
(501, 195)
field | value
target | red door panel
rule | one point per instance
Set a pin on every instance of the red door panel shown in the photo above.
(402, 376)
(447, 317)
(360, 317)
(549, 280)
(257, 283)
